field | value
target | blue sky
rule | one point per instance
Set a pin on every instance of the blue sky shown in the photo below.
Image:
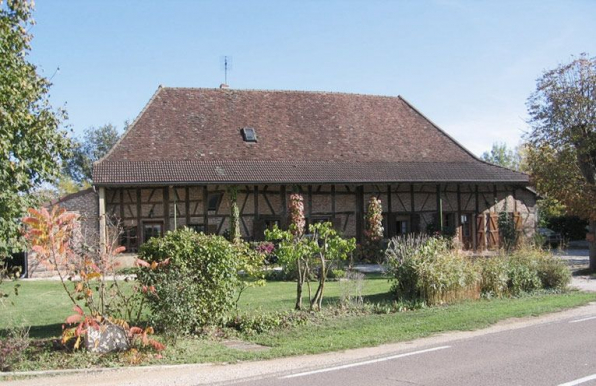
(467, 65)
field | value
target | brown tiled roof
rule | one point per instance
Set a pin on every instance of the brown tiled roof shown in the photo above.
(194, 136)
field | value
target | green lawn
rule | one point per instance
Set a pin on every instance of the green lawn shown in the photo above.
(42, 305)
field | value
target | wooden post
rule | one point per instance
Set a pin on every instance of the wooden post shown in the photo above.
(166, 208)
(139, 226)
(205, 209)
(359, 213)
(413, 211)
(121, 191)
(475, 223)
(333, 201)
(256, 203)
(389, 227)
(102, 219)
(439, 209)
(458, 224)
(309, 203)
(187, 204)
(284, 206)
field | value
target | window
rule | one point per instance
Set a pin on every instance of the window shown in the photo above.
(249, 134)
(401, 227)
(152, 229)
(197, 227)
(317, 220)
(214, 201)
(269, 223)
(128, 239)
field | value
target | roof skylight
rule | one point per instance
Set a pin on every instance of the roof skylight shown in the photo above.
(249, 134)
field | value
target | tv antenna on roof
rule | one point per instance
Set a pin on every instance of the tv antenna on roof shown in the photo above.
(226, 65)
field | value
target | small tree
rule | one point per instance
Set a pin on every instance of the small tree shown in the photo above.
(327, 246)
(373, 231)
(502, 155)
(96, 142)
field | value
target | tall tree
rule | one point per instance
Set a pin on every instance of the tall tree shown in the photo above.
(504, 156)
(96, 142)
(562, 142)
(31, 144)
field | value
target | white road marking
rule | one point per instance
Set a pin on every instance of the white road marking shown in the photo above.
(363, 363)
(580, 381)
(582, 320)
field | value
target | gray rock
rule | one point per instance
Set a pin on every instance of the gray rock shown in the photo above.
(108, 338)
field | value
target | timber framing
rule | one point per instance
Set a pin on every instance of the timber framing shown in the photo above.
(406, 207)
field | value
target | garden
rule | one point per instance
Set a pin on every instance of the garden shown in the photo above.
(195, 298)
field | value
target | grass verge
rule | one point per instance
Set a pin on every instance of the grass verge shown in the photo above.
(325, 332)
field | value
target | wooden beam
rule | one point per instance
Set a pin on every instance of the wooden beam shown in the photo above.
(388, 227)
(495, 197)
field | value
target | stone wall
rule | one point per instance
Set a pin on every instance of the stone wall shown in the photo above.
(84, 203)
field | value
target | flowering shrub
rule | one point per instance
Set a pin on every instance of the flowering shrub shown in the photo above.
(296, 210)
(373, 230)
(84, 277)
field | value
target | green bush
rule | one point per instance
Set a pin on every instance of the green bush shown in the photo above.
(336, 274)
(493, 275)
(553, 272)
(257, 323)
(425, 268)
(196, 288)
(522, 271)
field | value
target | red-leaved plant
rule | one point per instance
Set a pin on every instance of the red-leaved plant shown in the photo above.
(54, 236)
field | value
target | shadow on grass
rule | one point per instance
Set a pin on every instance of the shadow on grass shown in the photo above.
(380, 298)
(40, 332)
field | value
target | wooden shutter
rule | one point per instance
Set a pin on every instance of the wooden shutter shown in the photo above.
(480, 232)
(493, 231)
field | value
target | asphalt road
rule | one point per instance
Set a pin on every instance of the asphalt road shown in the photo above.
(547, 354)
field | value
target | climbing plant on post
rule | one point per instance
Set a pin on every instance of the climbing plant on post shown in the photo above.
(235, 236)
(373, 231)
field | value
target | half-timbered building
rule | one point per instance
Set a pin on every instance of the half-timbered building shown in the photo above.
(175, 164)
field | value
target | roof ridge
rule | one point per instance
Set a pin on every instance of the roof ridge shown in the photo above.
(281, 91)
(131, 126)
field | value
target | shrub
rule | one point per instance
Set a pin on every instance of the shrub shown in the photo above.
(553, 272)
(522, 271)
(257, 323)
(336, 274)
(197, 287)
(426, 268)
(493, 275)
